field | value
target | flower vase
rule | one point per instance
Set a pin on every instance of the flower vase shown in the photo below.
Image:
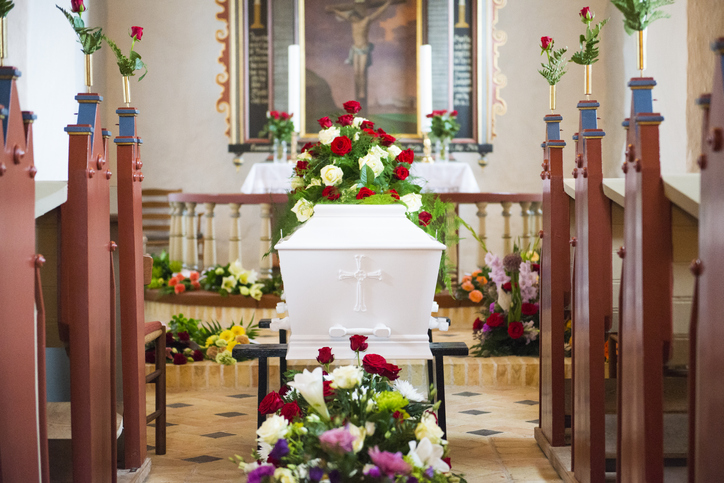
(588, 79)
(279, 151)
(641, 50)
(442, 150)
(3, 40)
(553, 98)
(88, 72)
(127, 90)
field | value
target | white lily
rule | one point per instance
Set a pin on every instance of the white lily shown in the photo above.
(311, 387)
(425, 454)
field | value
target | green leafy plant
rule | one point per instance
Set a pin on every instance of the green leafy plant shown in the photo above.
(278, 125)
(556, 66)
(638, 14)
(163, 270)
(588, 43)
(90, 38)
(444, 124)
(5, 7)
(128, 65)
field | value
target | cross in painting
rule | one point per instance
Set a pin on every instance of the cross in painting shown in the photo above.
(360, 275)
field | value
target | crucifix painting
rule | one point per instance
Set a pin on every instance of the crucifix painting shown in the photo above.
(364, 50)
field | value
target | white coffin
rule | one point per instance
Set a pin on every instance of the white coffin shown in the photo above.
(359, 269)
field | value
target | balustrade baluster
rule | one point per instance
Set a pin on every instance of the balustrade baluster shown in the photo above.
(265, 263)
(537, 215)
(452, 249)
(209, 236)
(176, 239)
(525, 214)
(191, 251)
(235, 233)
(507, 239)
(482, 215)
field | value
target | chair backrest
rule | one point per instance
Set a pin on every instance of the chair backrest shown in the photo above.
(156, 211)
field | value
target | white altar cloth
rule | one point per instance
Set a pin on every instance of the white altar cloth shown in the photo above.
(452, 177)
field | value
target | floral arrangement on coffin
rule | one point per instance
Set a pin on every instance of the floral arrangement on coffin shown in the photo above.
(358, 423)
(191, 340)
(355, 164)
(510, 314)
(278, 125)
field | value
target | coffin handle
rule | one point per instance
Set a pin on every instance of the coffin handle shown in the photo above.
(440, 323)
(379, 330)
(280, 324)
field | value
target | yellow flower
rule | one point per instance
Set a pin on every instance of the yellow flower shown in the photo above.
(238, 330)
(211, 340)
(231, 345)
(534, 257)
(227, 335)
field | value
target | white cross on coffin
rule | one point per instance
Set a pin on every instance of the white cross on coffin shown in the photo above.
(360, 275)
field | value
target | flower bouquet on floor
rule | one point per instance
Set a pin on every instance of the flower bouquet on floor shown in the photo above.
(359, 423)
(509, 322)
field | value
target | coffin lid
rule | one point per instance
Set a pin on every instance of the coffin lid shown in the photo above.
(348, 227)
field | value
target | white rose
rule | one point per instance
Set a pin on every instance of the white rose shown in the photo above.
(394, 151)
(284, 475)
(379, 152)
(305, 156)
(314, 182)
(413, 202)
(357, 121)
(346, 377)
(331, 175)
(274, 428)
(373, 162)
(356, 136)
(428, 428)
(326, 136)
(303, 209)
(297, 182)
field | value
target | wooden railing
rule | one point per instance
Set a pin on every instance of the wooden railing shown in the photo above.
(183, 244)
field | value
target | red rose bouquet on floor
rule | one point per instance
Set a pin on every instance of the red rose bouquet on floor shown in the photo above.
(355, 424)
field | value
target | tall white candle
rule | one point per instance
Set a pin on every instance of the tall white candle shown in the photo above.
(295, 88)
(425, 73)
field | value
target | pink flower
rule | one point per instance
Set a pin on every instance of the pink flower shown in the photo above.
(337, 441)
(137, 33)
(76, 6)
(389, 463)
(586, 15)
(546, 43)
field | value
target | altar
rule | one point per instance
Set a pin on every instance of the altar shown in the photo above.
(451, 177)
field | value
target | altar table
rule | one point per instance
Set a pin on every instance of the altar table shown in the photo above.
(451, 177)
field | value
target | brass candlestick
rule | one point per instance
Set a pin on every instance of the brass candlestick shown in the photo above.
(127, 90)
(588, 80)
(3, 40)
(641, 50)
(553, 98)
(88, 72)
(426, 149)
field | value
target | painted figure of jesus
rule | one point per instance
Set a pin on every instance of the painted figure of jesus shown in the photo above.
(360, 53)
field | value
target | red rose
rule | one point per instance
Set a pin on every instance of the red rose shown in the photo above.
(353, 107)
(345, 120)
(179, 288)
(274, 114)
(586, 14)
(391, 372)
(546, 43)
(447, 460)
(370, 132)
(358, 343)
(387, 140)
(454, 113)
(529, 309)
(401, 172)
(325, 355)
(406, 156)
(284, 390)
(398, 415)
(364, 193)
(507, 286)
(431, 115)
(341, 145)
(76, 6)
(394, 194)
(151, 357)
(495, 320)
(535, 267)
(271, 403)
(307, 147)
(424, 218)
(179, 359)
(328, 389)
(325, 122)
(381, 132)
(290, 411)
(197, 355)
(478, 324)
(331, 193)
(285, 116)
(301, 167)
(169, 339)
(136, 32)
(183, 336)
(374, 363)
(367, 125)
(515, 330)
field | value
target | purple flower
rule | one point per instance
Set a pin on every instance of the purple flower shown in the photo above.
(335, 477)
(390, 464)
(486, 328)
(492, 307)
(373, 472)
(429, 472)
(258, 475)
(316, 473)
(281, 449)
(412, 479)
(337, 440)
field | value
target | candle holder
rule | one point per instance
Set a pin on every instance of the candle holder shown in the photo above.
(426, 149)
(641, 50)
(3, 40)
(88, 72)
(553, 97)
(588, 79)
(127, 90)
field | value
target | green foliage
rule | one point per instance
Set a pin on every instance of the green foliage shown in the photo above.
(278, 127)
(638, 14)
(444, 125)
(588, 43)
(556, 66)
(5, 7)
(127, 65)
(90, 39)
(163, 270)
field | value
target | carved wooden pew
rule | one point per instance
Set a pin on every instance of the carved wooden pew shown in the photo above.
(23, 439)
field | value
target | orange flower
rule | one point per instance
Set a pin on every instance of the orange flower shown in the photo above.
(180, 277)
(476, 296)
(196, 285)
(467, 278)
(467, 286)
(481, 280)
(193, 276)
(172, 282)
(179, 288)
(477, 273)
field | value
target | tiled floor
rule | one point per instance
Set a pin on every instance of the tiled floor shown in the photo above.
(490, 432)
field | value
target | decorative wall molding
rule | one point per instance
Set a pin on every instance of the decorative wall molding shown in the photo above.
(223, 79)
(498, 38)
